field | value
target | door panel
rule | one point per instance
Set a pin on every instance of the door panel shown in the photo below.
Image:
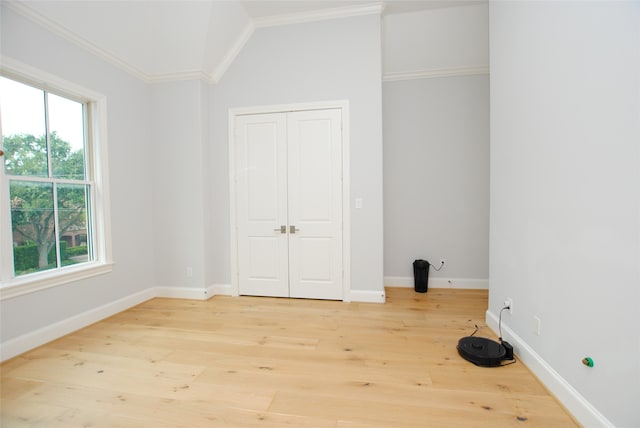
(315, 203)
(262, 205)
(289, 173)
(317, 268)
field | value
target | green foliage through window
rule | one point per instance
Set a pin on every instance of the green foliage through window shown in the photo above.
(49, 195)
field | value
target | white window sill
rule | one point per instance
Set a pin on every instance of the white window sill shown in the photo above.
(39, 281)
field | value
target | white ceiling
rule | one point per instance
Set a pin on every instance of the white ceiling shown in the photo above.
(172, 39)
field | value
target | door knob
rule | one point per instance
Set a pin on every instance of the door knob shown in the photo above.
(281, 229)
(293, 229)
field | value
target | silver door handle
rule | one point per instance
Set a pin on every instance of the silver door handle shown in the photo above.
(281, 229)
(293, 229)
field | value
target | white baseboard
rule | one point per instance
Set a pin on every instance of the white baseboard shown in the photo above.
(193, 293)
(220, 290)
(367, 296)
(575, 403)
(26, 342)
(462, 283)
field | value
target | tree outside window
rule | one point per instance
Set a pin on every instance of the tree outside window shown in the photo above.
(45, 163)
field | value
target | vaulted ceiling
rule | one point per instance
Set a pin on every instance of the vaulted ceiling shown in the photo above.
(179, 39)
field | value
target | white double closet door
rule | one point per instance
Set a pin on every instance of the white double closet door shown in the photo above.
(289, 204)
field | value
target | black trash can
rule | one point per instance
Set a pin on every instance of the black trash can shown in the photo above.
(421, 275)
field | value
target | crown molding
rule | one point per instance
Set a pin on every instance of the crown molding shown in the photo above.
(22, 9)
(435, 72)
(286, 19)
(179, 76)
(216, 75)
(232, 53)
(319, 15)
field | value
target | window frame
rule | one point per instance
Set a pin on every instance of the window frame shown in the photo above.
(97, 173)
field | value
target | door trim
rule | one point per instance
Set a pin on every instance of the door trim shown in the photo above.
(343, 105)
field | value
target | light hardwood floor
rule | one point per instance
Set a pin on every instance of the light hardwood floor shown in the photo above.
(248, 361)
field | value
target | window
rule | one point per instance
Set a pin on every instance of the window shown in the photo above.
(53, 196)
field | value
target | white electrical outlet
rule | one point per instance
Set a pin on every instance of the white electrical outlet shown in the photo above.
(189, 272)
(537, 325)
(508, 302)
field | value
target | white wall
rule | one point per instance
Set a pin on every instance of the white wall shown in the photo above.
(131, 177)
(436, 179)
(329, 60)
(436, 145)
(565, 197)
(178, 221)
(433, 39)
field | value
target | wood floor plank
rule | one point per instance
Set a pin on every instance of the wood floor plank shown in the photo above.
(446, 411)
(139, 409)
(16, 387)
(249, 361)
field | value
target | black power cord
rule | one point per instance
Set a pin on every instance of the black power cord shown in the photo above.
(500, 322)
(437, 269)
(506, 345)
